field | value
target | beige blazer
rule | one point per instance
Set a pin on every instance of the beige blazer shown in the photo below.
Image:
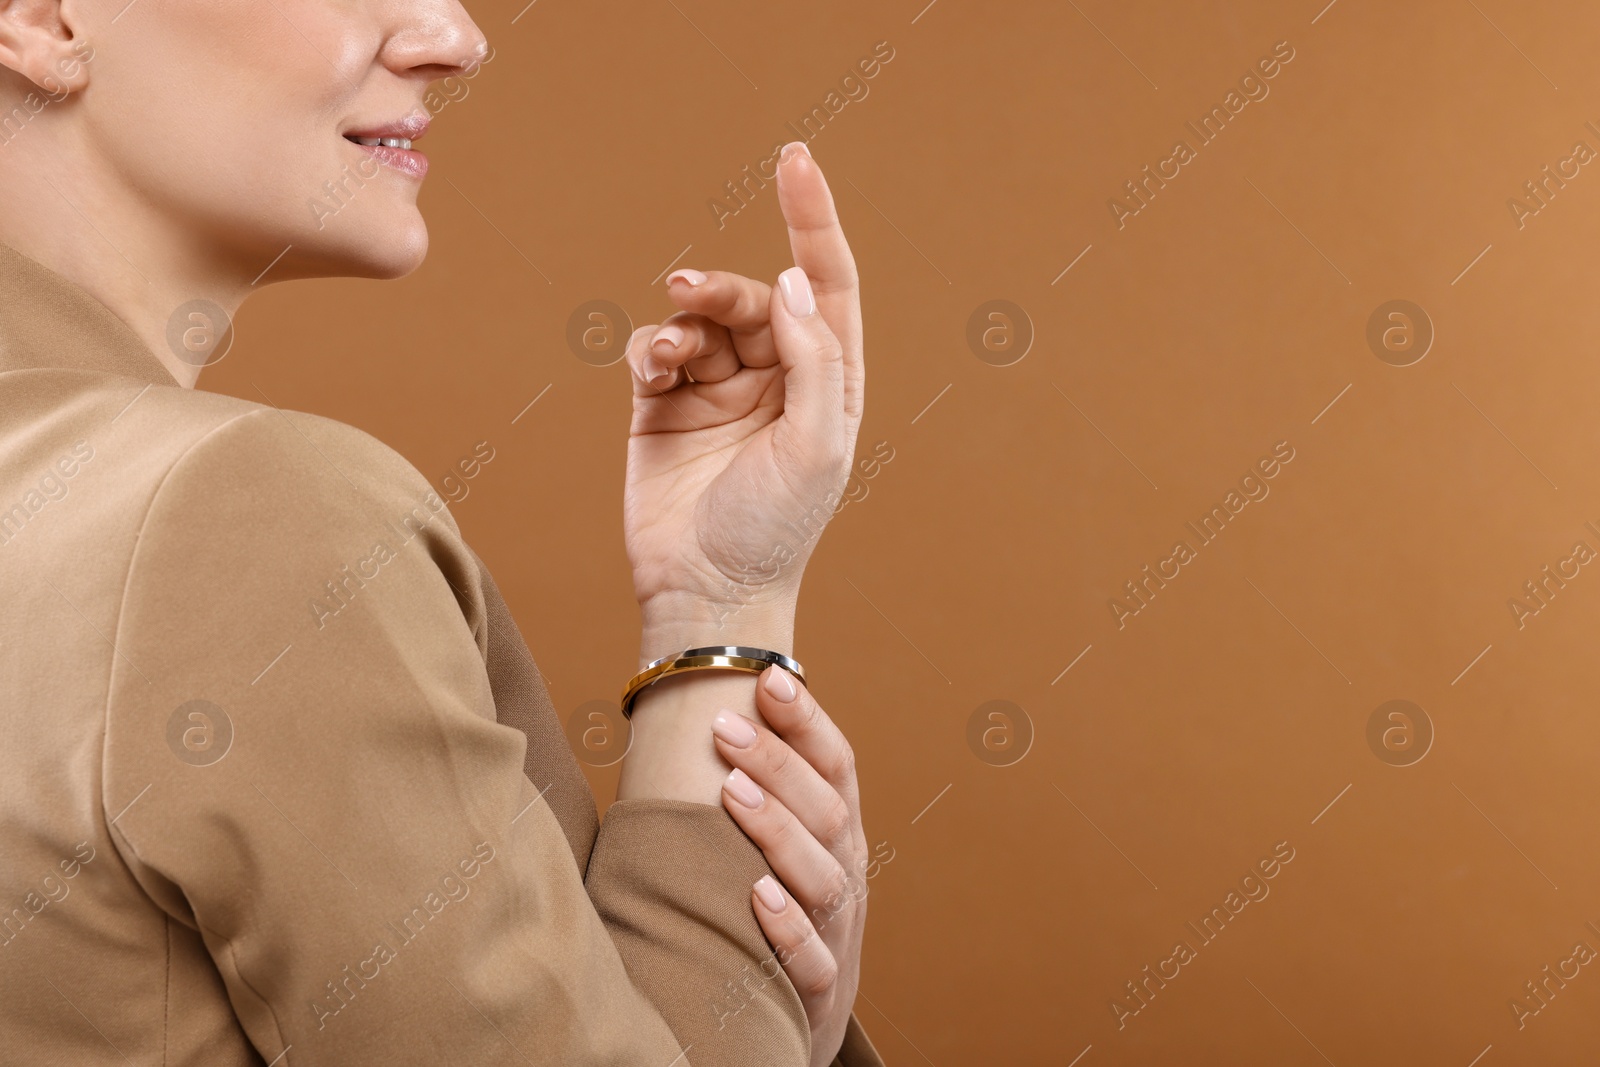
(280, 782)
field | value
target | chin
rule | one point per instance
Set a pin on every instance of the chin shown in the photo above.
(377, 251)
(393, 258)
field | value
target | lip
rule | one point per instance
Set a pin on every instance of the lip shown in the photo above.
(407, 161)
(412, 127)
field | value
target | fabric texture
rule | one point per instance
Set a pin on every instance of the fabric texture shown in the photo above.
(282, 782)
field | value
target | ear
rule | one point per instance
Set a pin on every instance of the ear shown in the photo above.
(38, 43)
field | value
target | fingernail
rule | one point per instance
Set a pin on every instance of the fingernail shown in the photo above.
(797, 295)
(771, 896)
(791, 148)
(737, 730)
(671, 336)
(779, 685)
(693, 277)
(654, 372)
(743, 789)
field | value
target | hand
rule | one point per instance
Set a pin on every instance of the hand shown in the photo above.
(724, 470)
(807, 820)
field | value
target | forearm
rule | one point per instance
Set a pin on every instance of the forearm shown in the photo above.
(671, 871)
(672, 754)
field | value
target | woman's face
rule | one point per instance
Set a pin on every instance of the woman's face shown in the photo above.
(232, 121)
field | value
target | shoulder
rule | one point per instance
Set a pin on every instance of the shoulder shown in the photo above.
(167, 482)
(294, 564)
(287, 514)
(222, 444)
(166, 444)
(301, 635)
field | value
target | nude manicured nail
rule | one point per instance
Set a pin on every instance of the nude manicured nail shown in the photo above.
(654, 372)
(737, 730)
(693, 277)
(771, 896)
(797, 294)
(743, 789)
(780, 686)
(667, 338)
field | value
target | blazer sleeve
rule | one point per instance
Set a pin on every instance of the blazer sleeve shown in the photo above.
(650, 867)
(302, 763)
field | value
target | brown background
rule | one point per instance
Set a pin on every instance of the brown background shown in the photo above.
(1227, 316)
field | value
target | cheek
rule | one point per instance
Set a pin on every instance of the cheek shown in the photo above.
(227, 115)
(191, 111)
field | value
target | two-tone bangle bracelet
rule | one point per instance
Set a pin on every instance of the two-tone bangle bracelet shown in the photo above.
(724, 657)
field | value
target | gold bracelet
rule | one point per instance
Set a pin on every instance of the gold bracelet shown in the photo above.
(726, 657)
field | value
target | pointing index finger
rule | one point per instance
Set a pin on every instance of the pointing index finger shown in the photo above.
(818, 243)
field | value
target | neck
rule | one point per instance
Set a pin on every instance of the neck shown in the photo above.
(123, 253)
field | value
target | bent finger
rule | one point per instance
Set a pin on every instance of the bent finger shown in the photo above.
(807, 960)
(648, 380)
(693, 342)
(815, 875)
(778, 769)
(741, 304)
(795, 715)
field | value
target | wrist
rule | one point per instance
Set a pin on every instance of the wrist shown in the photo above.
(670, 626)
(671, 753)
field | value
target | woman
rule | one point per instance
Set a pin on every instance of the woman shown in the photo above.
(281, 782)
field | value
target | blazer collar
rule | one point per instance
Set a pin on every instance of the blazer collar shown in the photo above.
(48, 320)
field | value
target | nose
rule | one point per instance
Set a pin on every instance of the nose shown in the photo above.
(434, 39)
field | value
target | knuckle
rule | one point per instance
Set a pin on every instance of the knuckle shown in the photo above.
(786, 834)
(751, 298)
(844, 762)
(823, 976)
(793, 938)
(836, 823)
(815, 719)
(844, 278)
(858, 882)
(635, 348)
(826, 346)
(835, 884)
(777, 755)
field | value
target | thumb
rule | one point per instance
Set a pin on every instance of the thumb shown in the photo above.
(811, 436)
